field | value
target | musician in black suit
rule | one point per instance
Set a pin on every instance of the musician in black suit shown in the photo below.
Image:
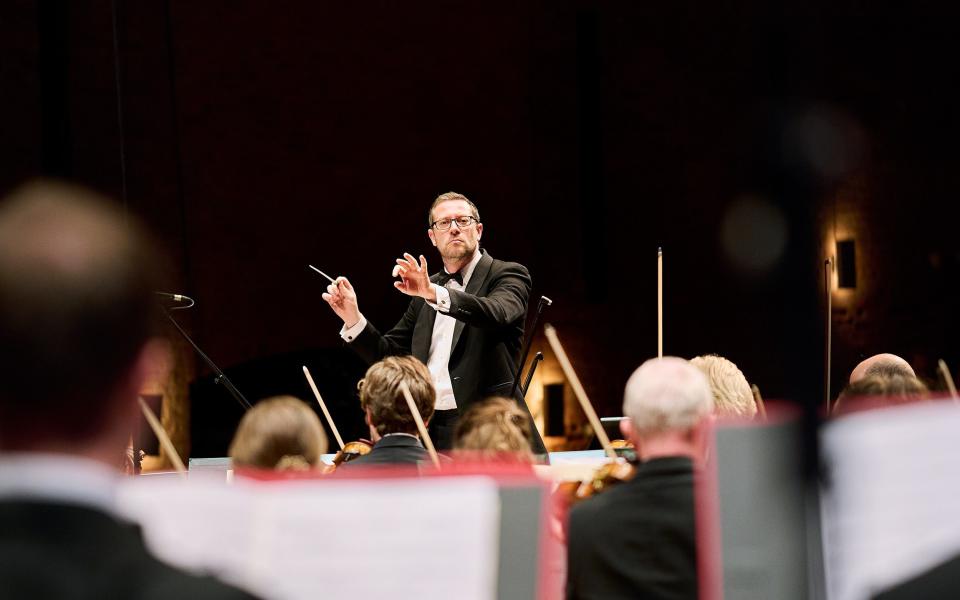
(638, 539)
(465, 323)
(392, 426)
(78, 339)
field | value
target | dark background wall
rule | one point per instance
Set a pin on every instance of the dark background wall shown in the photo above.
(257, 138)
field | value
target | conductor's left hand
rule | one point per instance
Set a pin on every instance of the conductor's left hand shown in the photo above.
(414, 276)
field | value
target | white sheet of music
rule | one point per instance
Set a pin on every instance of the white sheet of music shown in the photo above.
(400, 538)
(893, 510)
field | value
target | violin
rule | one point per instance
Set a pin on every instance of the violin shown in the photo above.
(607, 476)
(624, 449)
(350, 451)
(619, 469)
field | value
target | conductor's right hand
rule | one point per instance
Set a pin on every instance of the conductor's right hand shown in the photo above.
(342, 299)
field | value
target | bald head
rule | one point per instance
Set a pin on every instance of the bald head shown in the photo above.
(882, 365)
(666, 394)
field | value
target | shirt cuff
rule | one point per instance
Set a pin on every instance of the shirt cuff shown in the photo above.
(351, 334)
(443, 299)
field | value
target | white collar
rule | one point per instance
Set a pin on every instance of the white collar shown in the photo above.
(58, 478)
(467, 271)
(400, 433)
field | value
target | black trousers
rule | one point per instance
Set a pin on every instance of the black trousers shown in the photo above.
(442, 425)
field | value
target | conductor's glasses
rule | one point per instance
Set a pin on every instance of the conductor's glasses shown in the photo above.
(462, 223)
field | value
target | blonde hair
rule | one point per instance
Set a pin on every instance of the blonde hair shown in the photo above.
(666, 394)
(732, 396)
(279, 433)
(494, 427)
(380, 394)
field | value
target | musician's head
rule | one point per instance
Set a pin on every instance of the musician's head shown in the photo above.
(454, 226)
(882, 365)
(732, 396)
(884, 389)
(280, 433)
(78, 321)
(665, 400)
(493, 429)
(383, 401)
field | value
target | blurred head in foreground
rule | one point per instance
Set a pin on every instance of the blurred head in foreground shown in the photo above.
(732, 396)
(889, 389)
(666, 400)
(384, 404)
(280, 433)
(494, 429)
(78, 321)
(882, 365)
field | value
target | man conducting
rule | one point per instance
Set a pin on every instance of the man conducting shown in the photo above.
(465, 322)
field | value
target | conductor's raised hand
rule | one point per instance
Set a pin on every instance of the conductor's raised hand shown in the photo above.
(342, 298)
(414, 276)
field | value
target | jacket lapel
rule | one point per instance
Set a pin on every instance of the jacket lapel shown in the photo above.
(477, 279)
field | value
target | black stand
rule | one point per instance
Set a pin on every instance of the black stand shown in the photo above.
(219, 376)
(544, 301)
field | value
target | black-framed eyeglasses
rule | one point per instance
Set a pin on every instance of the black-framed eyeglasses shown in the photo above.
(462, 223)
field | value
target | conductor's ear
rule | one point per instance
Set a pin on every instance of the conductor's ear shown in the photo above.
(433, 239)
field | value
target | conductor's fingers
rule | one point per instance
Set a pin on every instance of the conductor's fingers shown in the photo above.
(411, 260)
(423, 263)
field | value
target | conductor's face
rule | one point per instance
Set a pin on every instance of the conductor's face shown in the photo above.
(455, 232)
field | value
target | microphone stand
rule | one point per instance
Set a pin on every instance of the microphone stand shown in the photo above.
(544, 301)
(533, 367)
(219, 376)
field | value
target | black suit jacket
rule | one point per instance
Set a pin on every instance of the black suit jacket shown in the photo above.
(636, 540)
(392, 450)
(51, 551)
(940, 581)
(490, 316)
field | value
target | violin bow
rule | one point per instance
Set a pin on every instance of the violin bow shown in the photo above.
(581, 394)
(323, 406)
(659, 302)
(948, 379)
(420, 426)
(758, 400)
(162, 437)
(827, 277)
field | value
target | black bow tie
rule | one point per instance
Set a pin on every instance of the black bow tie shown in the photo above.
(445, 277)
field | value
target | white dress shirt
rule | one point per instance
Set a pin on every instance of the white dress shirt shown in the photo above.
(441, 342)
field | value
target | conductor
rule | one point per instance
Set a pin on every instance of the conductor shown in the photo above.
(464, 322)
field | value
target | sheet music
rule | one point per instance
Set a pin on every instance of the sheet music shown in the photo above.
(892, 509)
(402, 538)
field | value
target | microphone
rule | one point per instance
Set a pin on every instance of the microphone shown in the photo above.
(177, 298)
